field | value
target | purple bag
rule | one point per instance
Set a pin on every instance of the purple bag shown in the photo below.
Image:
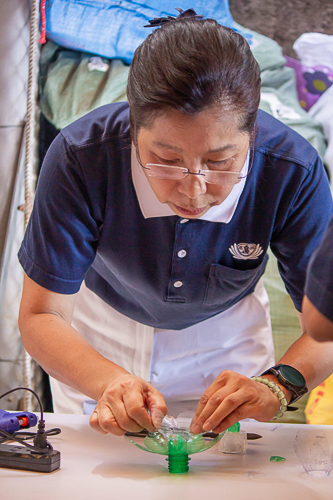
(311, 83)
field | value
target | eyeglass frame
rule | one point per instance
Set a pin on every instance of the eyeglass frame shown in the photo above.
(202, 172)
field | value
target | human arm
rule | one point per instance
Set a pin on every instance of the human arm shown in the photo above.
(320, 328)
(123, 399)
(317, 303)
(233, 397)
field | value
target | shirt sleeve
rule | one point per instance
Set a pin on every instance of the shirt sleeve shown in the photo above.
(303, 227)
(60, 241)
(319, 281)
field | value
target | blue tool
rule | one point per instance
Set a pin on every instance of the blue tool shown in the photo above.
(12, 422)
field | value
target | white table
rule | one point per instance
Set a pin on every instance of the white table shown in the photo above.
(100, 467)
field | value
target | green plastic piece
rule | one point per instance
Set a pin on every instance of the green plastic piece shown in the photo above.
(277, 459)
(177, 455)
(177, 444)
(234, 428)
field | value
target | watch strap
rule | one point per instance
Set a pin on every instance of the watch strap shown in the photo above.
(297, 392)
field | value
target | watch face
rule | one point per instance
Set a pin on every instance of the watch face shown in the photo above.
(291, 375)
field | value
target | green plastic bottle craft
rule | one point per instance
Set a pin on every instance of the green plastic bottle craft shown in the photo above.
(176, 441)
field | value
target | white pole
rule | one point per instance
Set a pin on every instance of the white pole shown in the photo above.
(29, 171)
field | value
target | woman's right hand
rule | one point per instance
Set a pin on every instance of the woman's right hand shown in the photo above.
(124, 406)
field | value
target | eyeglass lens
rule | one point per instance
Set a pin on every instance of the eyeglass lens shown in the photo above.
(177, 173)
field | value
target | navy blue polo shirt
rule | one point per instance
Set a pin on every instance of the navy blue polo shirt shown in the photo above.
(87, 224)
(319, 281)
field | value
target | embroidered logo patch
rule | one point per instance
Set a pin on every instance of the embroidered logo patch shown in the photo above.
(245, 251)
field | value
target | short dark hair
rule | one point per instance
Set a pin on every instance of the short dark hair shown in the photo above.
(191, 65)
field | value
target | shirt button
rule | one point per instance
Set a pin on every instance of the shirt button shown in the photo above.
(178, 284)
(182, 253)
(183, 221)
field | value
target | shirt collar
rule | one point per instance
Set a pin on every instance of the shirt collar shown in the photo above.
(152, 207)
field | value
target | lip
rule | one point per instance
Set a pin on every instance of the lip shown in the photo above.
(196, 211)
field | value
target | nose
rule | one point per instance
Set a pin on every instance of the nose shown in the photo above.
(192, 186)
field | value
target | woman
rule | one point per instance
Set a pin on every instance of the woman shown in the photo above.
(171, 233)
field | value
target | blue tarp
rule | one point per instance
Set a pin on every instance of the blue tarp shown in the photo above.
(115, 29)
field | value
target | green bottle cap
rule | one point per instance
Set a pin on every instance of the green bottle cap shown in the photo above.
(177, 455)
(234, 428)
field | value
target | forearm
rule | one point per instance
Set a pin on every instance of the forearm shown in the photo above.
(319, 326)
(65, 355)
(313, 359)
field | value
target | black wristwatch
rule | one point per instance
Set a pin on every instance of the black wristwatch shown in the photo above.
(290, 378)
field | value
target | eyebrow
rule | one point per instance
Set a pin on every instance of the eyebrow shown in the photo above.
(167, 146)
(223, 148)
(179, 150)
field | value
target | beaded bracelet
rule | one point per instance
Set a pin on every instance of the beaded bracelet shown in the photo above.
(278, 391)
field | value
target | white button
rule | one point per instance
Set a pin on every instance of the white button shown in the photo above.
(178, 284)
(182, 253)
(183, 221)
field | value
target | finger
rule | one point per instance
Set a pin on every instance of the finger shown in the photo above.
(219, 406)
(212, 398)
(201, 405)
(248, 402)
(206, 406)
(94, 423)
(156, 416)
(232, 403)
(113, 418)
(235, 416)
(225, 384)
(230, 420)
(130, 412)
(157, 408)
(103, 421)
(137, 407)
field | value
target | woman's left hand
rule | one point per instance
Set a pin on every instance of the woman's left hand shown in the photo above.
(230, 398)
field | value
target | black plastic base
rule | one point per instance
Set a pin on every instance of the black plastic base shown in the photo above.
(23, 458)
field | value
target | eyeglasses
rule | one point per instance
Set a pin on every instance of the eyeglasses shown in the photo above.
(177, 173)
